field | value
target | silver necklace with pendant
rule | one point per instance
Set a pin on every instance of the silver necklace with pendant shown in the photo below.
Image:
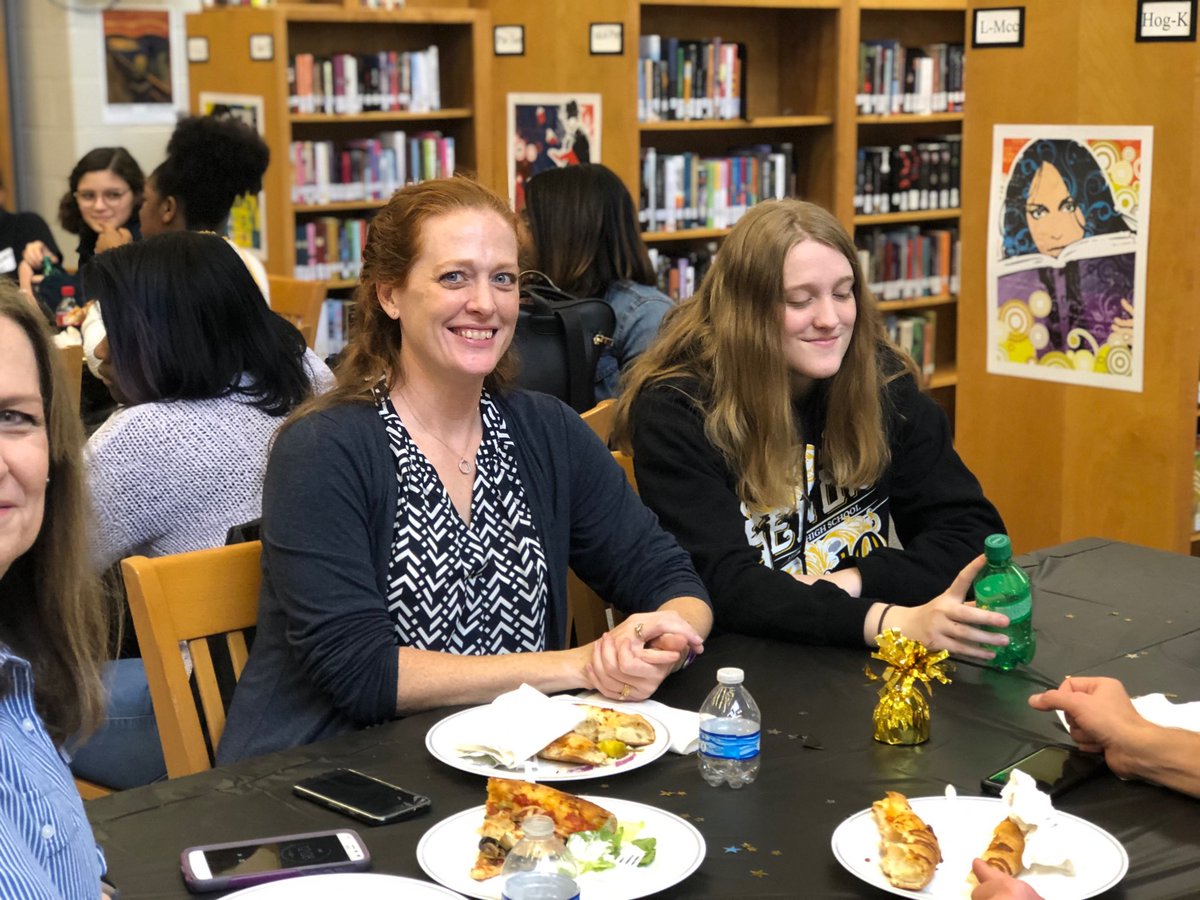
(464, 465)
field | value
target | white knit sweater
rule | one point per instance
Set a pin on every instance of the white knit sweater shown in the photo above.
(172, 477)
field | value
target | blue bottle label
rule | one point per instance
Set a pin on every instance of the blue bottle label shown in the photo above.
(729, 746)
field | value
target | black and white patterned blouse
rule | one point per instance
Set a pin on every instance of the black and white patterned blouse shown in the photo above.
(479, 589)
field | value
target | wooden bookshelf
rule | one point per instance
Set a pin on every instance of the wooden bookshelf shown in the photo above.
(905, 218)
(462, 35)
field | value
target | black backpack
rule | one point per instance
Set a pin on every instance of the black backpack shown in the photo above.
(559, 339)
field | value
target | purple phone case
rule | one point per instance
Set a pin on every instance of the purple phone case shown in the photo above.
(228, 882)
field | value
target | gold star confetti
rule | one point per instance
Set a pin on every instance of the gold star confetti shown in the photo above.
(1129, 620)
(1070, 615)
(792, 737)
(1131, 656)
(685, 815)
(666, 793)
(681, 793)
(758, 873)
(777, 853)
(698, 819)
(750, 847)
(1114, 613)
(774, 731)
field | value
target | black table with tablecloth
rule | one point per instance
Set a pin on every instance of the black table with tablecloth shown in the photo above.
(1101, 608)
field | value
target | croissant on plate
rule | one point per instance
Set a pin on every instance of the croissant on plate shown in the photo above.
(1005, 850)
(908, 848)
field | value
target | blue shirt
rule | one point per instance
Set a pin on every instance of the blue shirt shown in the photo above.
(639, 309)
(46, 844)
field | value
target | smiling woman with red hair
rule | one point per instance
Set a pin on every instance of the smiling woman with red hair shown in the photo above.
(418, 520)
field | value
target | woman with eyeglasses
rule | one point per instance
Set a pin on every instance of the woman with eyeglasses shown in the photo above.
(100, 206)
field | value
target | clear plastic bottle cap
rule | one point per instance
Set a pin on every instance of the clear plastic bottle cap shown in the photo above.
(730, 675)
(538, 826)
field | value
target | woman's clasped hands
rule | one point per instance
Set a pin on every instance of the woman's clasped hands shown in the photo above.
(632, 660)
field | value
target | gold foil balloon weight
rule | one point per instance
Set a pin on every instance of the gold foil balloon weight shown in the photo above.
(902, 714)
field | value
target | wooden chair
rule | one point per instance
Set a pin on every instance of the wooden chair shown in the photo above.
(600, 418)
(588, 616)
(299, 302)
(191, 597)
(71, 358)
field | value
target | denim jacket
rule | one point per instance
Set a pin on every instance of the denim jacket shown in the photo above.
(639, 310)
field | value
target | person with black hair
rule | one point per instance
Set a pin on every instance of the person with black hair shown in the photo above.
(207, 373)
(17, 229)
(583, 227)
(210, 163)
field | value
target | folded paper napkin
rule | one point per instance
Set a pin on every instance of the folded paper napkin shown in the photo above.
(515, 726)
(1158, 709)
(682, 725)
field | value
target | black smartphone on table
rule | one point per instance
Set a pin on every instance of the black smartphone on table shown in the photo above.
(362, 797)
(218, 867)
(1055, 768)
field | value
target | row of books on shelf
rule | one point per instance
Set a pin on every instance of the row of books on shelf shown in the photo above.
(908, 177)
(683, 79)
(895, 79)
(688, 190)
(1196, 488)
(910, 262)
(916, 335)
(367, 169)
(329, 247)
(333, 330)
(349, 83)
(679, 275)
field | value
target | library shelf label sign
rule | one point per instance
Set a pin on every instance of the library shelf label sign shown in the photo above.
(1002, 26)
(508, 40)
(1067, 245)
(1166, 20)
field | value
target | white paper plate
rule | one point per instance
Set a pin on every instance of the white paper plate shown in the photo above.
(358, 886)
(443, 737)
(447, 852)
(964, 827)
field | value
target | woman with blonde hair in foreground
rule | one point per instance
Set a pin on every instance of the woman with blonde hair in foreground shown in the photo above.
(53, 624)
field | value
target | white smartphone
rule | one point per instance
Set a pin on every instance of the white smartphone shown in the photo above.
(218, 867)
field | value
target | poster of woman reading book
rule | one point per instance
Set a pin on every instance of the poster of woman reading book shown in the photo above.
(1067, 253)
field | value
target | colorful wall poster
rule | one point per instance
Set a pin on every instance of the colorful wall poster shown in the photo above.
(1067, 250)
(547, 131)
(247, 219)
(141, 82)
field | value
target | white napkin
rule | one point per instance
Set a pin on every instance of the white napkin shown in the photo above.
(683, 725)
(1156, 708)
(516, 725)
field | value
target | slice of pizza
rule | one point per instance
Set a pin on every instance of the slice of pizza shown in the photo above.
(604, 724)
(574, 748)
(509, 802)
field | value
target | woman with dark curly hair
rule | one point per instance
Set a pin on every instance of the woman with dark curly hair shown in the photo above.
(210, 163)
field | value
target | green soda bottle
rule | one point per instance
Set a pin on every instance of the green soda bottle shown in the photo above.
(1002, 587)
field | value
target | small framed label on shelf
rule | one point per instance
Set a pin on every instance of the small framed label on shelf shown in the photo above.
(508, 40)
(606, 38)
(262, 47)
(1002, 26)
(197, 49)
(1166, 20)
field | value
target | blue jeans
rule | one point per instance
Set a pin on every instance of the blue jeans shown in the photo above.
(126, 751)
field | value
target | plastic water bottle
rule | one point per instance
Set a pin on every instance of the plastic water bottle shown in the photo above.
(730, 725)
(1002, 587)
(66, 305)
(539, 867)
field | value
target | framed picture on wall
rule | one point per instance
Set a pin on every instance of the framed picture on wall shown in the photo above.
(547, 131)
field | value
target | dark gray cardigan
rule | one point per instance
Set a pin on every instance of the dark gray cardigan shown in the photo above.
(324, 658)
